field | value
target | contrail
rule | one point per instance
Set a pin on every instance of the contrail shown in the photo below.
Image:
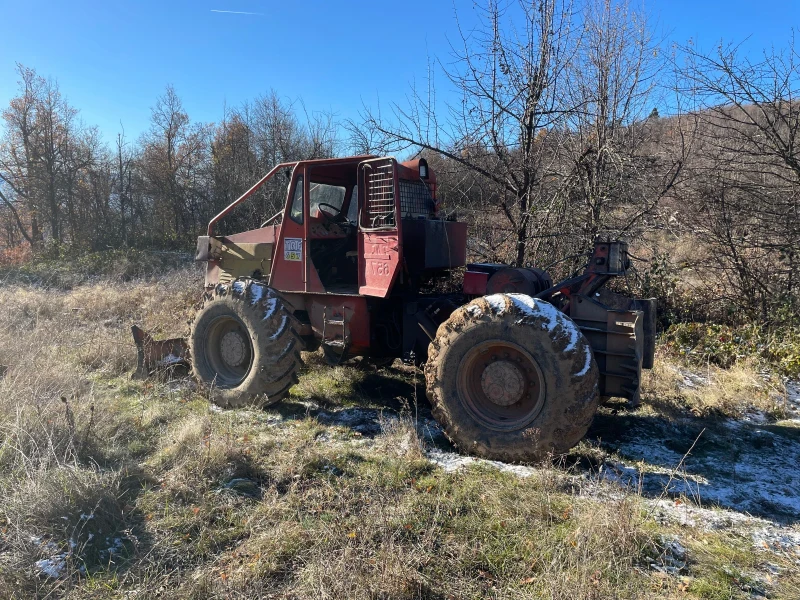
(237, 12)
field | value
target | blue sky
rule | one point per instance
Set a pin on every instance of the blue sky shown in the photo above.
(112, 59)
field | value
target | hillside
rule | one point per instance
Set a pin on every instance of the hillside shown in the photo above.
(113, 488)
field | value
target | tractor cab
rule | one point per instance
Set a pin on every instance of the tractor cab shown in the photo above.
(351, 226)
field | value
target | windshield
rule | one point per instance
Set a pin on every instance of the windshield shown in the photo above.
(329, 195)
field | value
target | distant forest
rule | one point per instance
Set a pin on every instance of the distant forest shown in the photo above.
(555, 138)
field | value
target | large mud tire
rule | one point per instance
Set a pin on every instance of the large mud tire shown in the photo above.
(512, 378)
(244, 345)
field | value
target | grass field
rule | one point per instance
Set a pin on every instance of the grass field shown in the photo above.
(113, 488)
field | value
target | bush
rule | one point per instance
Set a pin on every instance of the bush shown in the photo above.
(724, 345)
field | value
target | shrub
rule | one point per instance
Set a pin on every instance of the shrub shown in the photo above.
(724, 345)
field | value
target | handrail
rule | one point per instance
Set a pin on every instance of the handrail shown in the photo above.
(272, 218)
(247, 194)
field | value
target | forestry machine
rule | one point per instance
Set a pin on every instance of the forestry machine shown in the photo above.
(514, 365)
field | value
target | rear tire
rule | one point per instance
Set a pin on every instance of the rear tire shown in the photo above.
(244, 345)
(512, 378)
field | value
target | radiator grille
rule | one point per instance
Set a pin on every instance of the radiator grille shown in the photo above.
(380, 201)
(415, 199)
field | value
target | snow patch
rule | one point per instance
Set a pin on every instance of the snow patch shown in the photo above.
(574, 336)
(275, 335)
(793, 400)
(531, 307)
(673, 557)
(167, 361)
(497, 302)
(256, 293)
(52, 567)
(272, 306)
(115, 548)
(737, 465)
(452, 461)
(691, 379)
(474, 310)
(764, 534)
(588, 364)
(362, 420)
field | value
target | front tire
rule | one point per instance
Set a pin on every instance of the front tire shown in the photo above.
(512, 378)
(245, 346)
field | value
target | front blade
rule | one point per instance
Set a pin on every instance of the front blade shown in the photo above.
(157, 355)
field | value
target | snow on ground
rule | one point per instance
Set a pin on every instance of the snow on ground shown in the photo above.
(793, 400)
(740, 476)
(745, 466)
(452, 461)
(748, 466)
(764, 534)
(52, 567)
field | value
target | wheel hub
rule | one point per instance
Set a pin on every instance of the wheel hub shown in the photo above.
(233, 348)
(503, 383)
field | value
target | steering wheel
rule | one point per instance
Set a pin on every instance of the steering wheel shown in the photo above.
(335, 217)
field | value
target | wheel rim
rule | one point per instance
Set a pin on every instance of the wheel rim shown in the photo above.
(229, 350)
(501, 385)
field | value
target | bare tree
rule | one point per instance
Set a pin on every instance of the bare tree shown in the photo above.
(174, 168)
(614, 170)
(510, 76)
(44, 151)
(744, 195)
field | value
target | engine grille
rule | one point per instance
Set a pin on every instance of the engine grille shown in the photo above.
(415, 199)
(380, 202)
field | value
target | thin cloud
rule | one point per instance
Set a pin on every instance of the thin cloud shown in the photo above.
(237, 12)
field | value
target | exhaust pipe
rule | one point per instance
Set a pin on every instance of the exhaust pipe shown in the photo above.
(157, 355)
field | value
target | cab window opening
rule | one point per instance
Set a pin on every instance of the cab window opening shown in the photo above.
(328, 195)
(296, 211)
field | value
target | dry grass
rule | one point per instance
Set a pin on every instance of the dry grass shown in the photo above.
(144, 491)
(674, 388)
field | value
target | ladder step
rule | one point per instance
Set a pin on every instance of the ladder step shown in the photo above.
(335, 343)
(334, 321)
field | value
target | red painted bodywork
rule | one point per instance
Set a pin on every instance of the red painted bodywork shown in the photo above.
(293, 275)
(353, 309)
(379, 256)
(475, 283)
(380, 252)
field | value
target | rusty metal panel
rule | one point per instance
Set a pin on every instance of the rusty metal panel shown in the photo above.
(379, 262)
(346, 317)
(519, 280)
(616, 337)
(379, 248)
(434, 244)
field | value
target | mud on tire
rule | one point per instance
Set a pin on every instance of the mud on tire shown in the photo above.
(244, 345)
(512, 378)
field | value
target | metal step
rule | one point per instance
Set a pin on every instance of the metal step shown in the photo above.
(335, 343)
